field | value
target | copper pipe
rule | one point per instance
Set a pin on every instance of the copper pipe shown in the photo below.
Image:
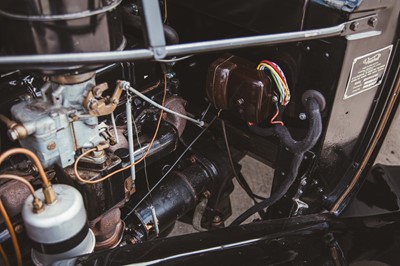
(20, 179)
(4, 256)
(10, 229)
(9, 123)
(49, 194)
(32, 156)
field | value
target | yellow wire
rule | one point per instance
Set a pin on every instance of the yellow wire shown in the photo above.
(278, 76)
(10, 229)
(4, 256)
(273, 72)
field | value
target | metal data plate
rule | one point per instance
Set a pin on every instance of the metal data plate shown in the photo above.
(367, 71)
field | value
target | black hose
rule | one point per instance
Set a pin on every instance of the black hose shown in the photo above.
(298, 148)
(315, 127)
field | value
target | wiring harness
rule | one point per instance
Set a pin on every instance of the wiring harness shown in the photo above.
(283, 94)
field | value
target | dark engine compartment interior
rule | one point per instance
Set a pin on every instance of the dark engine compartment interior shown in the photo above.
(129, 148)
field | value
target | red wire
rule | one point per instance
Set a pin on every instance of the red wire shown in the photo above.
(276, 69)
(273, 122)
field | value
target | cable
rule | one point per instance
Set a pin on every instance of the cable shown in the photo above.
(144, 161)
(20, 179)
(272, 121)
(279, 78)
(172, 60)
(32, 156)
(165, 11)
(10, 229)
(172, 167)
(128, 166)
(4, 256)
(298, 148)
(144, 97)
(242, 182)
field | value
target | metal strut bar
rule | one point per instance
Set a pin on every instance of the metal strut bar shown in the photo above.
(157, 50)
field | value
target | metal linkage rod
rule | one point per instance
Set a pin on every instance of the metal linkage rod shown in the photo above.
(46, 60)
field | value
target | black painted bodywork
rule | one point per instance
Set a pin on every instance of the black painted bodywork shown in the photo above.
(307, 240)
(323, 65)
(368, 234)
(365, 229)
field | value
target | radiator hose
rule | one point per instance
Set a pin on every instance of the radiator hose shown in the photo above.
(298, 148)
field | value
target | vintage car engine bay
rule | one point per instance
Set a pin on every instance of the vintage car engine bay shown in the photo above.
(121, 117)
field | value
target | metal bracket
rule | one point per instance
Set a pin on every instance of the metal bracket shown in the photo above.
(154, 29)
(360, 25)
(299, 205)
(156, 41)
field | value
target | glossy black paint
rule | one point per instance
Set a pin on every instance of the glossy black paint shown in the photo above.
(306, 240)
(379, 194)
(88, 33)
(353, 121)
(173, 198)
(323, 65)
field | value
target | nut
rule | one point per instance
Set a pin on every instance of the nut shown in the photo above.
(12, 134)
(373, 22)
(38, 205)
(49, 194)
(354, 26)
(19, 228)
(51, 145)
(302, 116)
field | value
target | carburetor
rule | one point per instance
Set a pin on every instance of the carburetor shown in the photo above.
(64, 119)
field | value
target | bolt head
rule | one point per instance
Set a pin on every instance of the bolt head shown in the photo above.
(12, 134)
(51, 146)
(373, 22)
(216, 219)
(126, 85)
(302, 116)
(354, 26)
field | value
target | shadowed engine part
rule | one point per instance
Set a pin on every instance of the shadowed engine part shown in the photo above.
(234, 84)
(177, 195)
(108, 230)
(65, 27)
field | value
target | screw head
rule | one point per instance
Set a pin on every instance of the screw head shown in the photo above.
(19, 229)
(51, 146)
(373, 22)
(240, 101)
(302, 116)
(354, 26)
(216, 219)
(170, 75)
